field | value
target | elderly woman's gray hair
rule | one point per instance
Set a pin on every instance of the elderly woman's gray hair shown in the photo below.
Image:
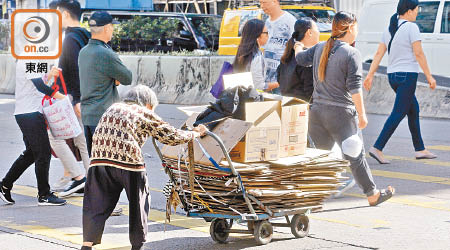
(141, 95)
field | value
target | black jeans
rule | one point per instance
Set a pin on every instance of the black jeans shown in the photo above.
(37, 151)
(101, 194)
(89, 133)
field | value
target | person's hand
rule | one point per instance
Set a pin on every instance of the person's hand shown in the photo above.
(77, 109)
(272, 85)
(201, 129)
(117, 82)
(431, 82)
(368, 82)
(54, 72)
(362, 123)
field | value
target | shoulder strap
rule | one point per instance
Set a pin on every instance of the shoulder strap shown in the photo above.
(392, 37)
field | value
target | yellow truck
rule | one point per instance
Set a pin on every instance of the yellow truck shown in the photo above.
(234, 20)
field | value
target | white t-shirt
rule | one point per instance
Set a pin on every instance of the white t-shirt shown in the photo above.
(28, 98)
(401, 56)
(280, 31)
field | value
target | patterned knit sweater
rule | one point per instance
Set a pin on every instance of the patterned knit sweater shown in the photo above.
(124, 129)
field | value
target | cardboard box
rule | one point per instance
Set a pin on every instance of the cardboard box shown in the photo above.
(294, 127)
(229, 130)
(262, 140)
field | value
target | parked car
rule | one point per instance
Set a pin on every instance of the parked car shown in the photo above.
(193, 31)
(234, 20)
(433, 21)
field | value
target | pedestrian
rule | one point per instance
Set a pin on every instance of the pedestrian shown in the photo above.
(280, 26)
(249, 57)
(337, 114)
(101, 71)
(117, 163)
(30, 89)
(296, 80)
(75, 39)
(403, 43)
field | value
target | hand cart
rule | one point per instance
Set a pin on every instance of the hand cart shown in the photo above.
(258, 224)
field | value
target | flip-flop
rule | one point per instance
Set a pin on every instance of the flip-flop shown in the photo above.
(385, 194)
(378, 159)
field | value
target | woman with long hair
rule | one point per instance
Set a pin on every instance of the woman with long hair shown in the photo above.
(403, 43)
(249, 57)
(296, 80)
(337, 114)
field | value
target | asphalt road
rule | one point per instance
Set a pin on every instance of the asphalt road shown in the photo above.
(418, 217)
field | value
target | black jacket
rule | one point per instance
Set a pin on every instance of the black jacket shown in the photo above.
(295, 80)
(75, 39)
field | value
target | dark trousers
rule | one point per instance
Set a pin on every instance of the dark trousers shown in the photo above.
(332, 124)
(37, 151)
(101, 194)
(404, 85)
(89, 133)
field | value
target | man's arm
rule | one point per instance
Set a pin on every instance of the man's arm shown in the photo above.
(117, 70)
(68, 63)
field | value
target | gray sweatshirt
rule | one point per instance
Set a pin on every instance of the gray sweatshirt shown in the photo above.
(343, 74)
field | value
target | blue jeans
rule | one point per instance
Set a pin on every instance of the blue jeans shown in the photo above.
(404, 85)
(89, 133)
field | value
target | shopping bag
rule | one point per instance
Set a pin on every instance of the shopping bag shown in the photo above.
(217, 88)
(60, 116)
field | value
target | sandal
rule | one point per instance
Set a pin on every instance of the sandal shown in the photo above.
(385, 194)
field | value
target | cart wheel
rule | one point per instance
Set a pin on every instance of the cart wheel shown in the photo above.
(263, 232)
(251, 226)
(217, 230)
(300, 225)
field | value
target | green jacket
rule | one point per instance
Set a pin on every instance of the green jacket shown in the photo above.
(99, 67)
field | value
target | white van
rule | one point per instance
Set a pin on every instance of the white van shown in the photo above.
(433, 21)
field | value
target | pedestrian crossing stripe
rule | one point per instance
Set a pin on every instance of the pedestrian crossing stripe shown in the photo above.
(439, 147)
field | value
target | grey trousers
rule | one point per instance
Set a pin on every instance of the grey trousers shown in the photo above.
(331, 124)
(101, 194)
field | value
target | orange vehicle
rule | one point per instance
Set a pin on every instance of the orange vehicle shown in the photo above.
(234, 20)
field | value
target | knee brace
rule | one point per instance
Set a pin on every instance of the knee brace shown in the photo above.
(352, 146)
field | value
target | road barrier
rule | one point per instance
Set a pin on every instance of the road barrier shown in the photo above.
(188, 79)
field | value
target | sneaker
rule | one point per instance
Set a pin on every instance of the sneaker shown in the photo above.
(79, 193)
(348, 184)
(117, 211)
(61, 184)
(50, 200)
(5, 195)
(75, 186)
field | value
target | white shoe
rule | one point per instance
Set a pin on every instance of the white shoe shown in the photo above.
(61, 184)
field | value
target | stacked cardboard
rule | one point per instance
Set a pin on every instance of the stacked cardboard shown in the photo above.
(287, 184)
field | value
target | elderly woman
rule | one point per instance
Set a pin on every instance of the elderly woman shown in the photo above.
(117, 163)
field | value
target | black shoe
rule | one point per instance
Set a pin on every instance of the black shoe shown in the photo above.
(5, 195)
(79, 193)
(74, 187)
(137, 247)
(50, 200)
(86, 248)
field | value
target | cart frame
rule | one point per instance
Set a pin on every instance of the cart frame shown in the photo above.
(258, 224)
